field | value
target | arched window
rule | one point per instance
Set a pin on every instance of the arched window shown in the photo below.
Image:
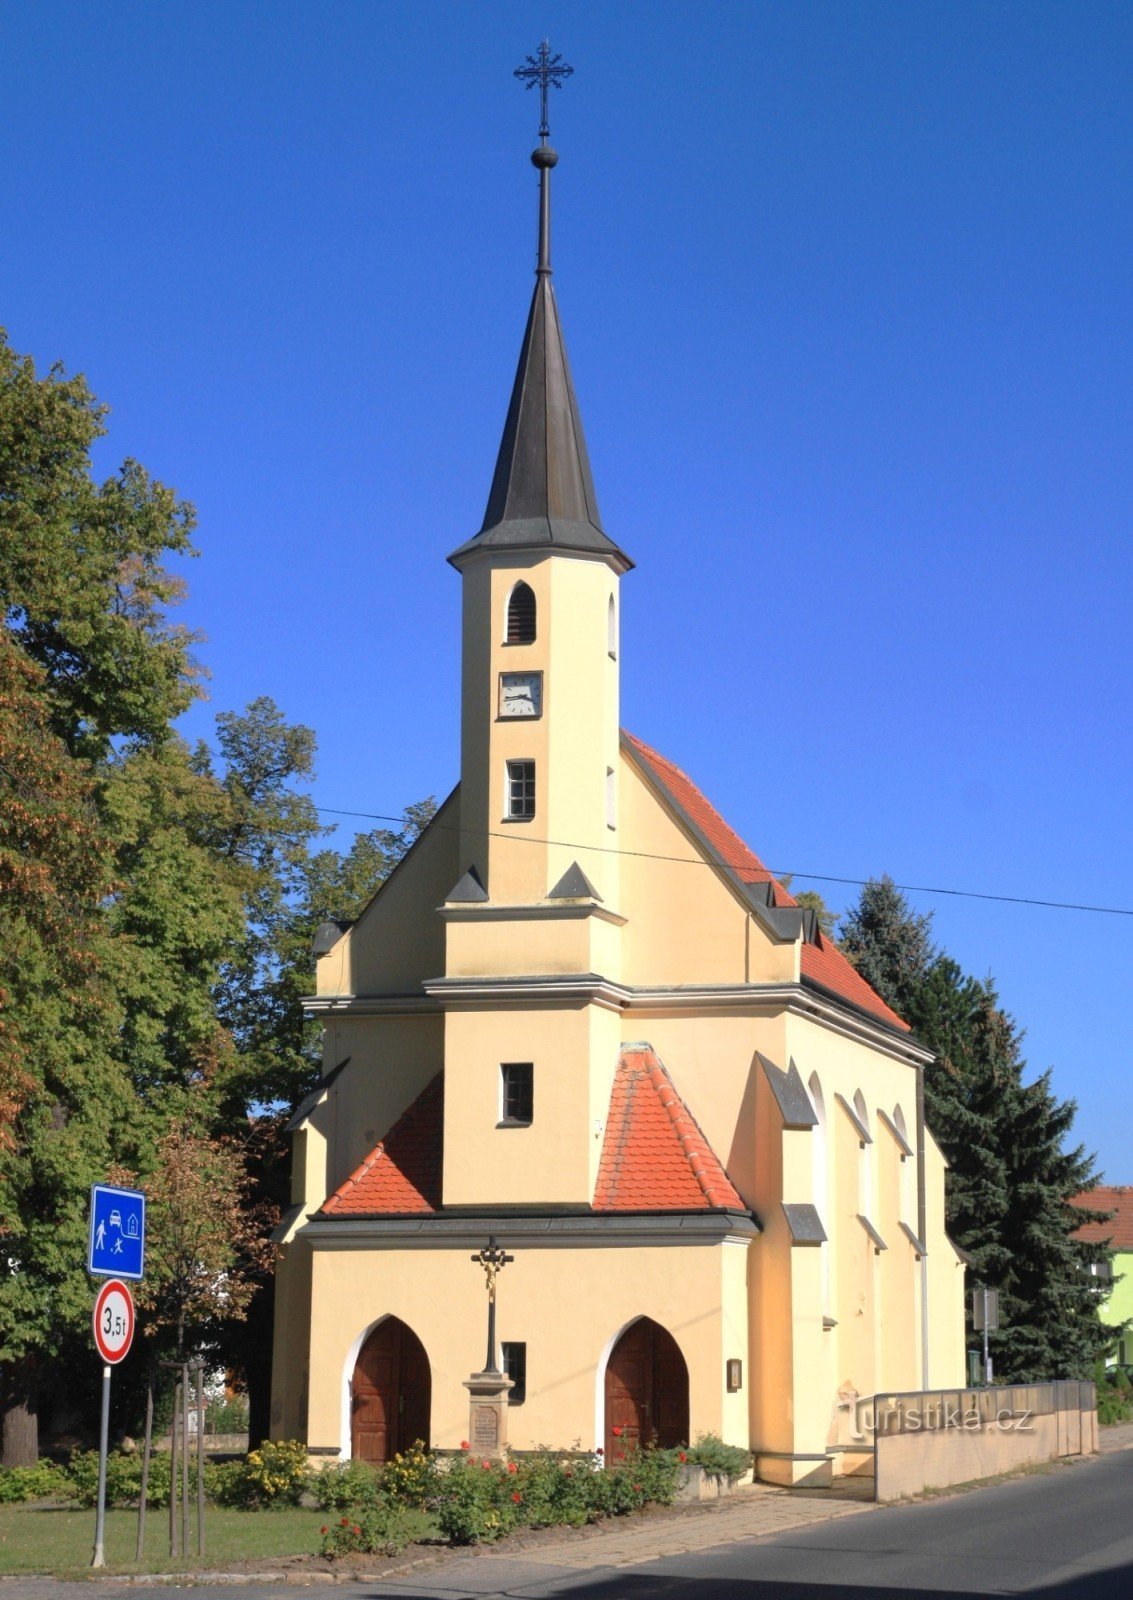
(521, 615)
(612, 630)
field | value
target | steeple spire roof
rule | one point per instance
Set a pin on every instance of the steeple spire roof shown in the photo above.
(542, 492)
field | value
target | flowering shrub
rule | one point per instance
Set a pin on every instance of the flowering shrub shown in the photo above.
(475, 1503)
(412, 1477)
(274, 1475)
(476, 1500)
(480, 1500)
(377, 1530)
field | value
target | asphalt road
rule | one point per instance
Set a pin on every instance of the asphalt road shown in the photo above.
(1066, 1535)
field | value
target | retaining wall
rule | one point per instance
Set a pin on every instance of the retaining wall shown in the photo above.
(947, 1436)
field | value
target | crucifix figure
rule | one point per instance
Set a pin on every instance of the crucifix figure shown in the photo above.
(493, 1260)
(543, 70)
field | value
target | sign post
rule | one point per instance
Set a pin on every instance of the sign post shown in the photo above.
(116, 1251)
(985, 1317)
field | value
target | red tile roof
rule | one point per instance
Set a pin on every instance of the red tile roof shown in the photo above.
(822, 962)
(1119, 1229)
(402, 1175)
(654, 1156)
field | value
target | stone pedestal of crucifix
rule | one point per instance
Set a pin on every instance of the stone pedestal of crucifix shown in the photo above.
(488, 1390)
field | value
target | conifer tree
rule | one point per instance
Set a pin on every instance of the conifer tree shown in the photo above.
(1010, 1177)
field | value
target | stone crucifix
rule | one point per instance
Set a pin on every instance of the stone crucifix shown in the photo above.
(493, 1260)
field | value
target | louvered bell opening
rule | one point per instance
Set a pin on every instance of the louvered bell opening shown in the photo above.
(521, 615)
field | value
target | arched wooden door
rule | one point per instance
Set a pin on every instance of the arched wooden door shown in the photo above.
(646, 1391)
(390, 1393)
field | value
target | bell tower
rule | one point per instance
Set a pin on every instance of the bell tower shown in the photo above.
(531, 1034)
(541, 622)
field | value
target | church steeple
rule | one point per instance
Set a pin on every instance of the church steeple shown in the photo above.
(542, 493)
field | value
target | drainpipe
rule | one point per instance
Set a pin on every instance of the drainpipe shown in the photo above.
(921, 1226)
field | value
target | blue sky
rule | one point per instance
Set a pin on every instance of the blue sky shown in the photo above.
(846, 292)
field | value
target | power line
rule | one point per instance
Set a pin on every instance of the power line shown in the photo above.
(812, 877)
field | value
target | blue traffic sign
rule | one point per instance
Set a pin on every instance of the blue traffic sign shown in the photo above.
(117, 1232)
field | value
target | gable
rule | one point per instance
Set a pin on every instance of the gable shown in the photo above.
(821, 963)
(399, 940)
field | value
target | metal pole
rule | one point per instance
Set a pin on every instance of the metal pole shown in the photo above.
(185, 1462)
(99, 1557)
(200, 1458)
(173, 1470)
(987, 1353)
(146, 1449)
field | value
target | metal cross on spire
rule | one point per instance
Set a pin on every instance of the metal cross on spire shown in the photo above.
(544, 69)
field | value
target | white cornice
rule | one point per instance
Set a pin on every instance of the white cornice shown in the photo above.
(600, 1231)
(440, 994)
(581, 988)
(369, 1005)
(566, 911)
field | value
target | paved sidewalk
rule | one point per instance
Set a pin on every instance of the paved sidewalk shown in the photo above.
(1118, 1436)
(753, 1511)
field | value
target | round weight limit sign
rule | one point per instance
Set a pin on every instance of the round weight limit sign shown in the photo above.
(113, 1321)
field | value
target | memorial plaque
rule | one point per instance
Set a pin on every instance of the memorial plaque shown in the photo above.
(485, 1428)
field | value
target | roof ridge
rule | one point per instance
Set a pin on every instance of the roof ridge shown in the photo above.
(678, 1114)
(754, 863)
(823, 964)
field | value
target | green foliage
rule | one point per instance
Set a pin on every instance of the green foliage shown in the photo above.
(479, 1500)
(720, 1459)
(157, 903)
(346, 1486)
(378, 1529)
(889, 943)
(123, 1478)
(555, 1491)
(227, 1416)
(44, 1481)
(411, 1478)
(476, 1504)
(274, 1475)
(1012, 1171)
(1115, 1393)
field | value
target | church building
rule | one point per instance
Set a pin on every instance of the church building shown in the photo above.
(583, 1021)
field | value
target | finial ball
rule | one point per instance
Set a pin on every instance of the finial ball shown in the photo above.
(544, 156)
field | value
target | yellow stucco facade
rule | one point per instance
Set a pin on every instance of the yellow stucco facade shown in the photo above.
(550, 923)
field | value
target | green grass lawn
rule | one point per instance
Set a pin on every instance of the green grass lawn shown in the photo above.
(37, 1538)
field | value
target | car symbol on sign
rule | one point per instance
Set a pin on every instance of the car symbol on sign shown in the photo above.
(116, 1220)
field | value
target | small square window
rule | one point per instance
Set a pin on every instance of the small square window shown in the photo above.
(520, 797)
(517, 1093)
(515, 1367)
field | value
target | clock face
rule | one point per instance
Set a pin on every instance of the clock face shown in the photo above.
(521, 694)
